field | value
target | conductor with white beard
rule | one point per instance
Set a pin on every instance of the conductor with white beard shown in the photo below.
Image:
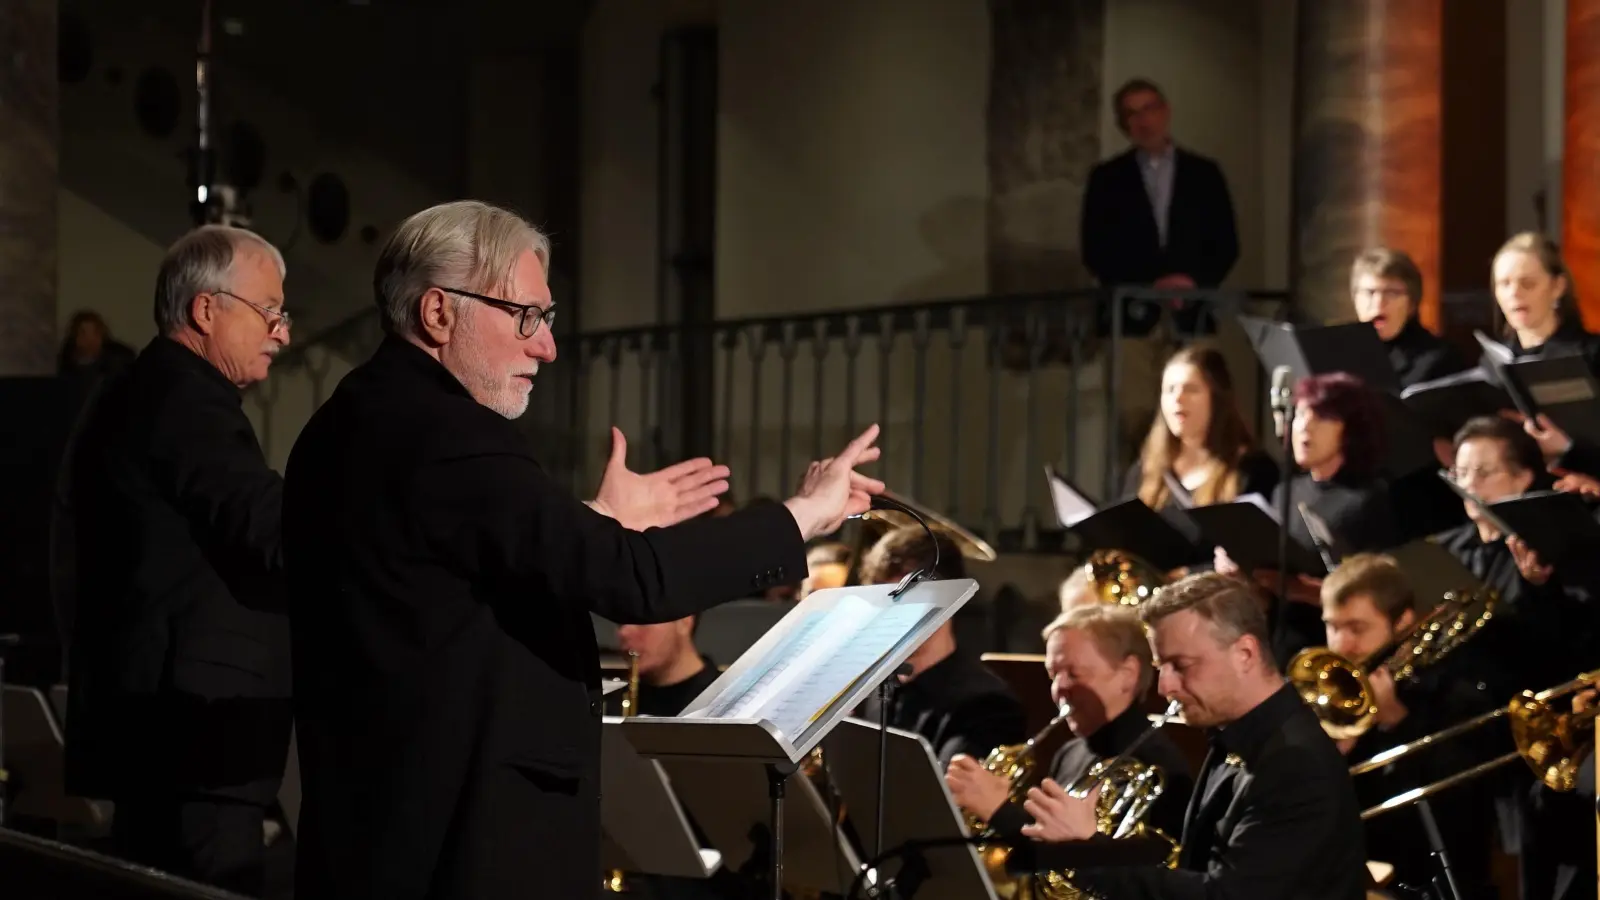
(447, 679)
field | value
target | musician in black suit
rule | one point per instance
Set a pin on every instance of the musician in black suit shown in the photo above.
(179, 701)
(1368, 605)
(1099, 663)
(1273, 815)
(951, 698)
(448, 703)
(1157, 214)
(672, 670)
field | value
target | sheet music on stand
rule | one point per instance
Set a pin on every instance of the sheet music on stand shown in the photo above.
(778, 700)
(819, 662)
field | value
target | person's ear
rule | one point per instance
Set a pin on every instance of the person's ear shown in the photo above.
(204, 310)
(1404, 622)
(437, 316)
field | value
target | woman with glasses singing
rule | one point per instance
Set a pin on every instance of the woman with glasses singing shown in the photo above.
(1545, 630)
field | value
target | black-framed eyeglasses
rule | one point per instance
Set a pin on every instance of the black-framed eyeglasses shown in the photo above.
(276, 318)
(528, 316)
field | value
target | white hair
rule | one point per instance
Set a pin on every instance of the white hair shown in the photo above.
(202, 262)
(467, 245)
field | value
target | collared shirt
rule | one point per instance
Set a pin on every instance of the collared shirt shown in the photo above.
(1157, 170)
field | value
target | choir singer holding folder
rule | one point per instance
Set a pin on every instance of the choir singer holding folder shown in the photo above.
(1338, 443)
(446, 675)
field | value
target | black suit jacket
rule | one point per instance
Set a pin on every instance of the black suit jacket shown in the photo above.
(1120, 240)
(179, 672)
(1273, 817)
(449, 712)
(959, 705)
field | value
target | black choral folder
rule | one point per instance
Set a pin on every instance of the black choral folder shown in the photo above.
(1445, 404)
(1249, 533)
(1562, 388)
(1351, 347)
(1557, 525)
(1126, 525)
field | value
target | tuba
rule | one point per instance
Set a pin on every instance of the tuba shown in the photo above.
(1338, 691)
(616, 881)
(1119, 577)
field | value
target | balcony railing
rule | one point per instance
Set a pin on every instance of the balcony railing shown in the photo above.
(974, 396)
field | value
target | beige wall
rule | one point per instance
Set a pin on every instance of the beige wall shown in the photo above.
(106, 267)
(851, 154)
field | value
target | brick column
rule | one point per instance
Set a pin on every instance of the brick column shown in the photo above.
(1580, 166)
(1367, 159)
(29, 137)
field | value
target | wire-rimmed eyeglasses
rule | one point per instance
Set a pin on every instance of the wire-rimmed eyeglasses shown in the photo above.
(276, 318)
(528, 316)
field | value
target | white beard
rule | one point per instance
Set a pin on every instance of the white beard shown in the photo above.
(501, 391)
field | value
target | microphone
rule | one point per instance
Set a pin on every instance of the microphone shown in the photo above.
(1282, 398)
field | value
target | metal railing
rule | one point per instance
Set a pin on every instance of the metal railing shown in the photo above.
(974, 395)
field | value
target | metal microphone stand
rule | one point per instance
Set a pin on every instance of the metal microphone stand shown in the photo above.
(1446, 884)
(1285, 473)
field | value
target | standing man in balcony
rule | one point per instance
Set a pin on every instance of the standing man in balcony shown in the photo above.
(179, 708)
(442, 583)
(1156, 215)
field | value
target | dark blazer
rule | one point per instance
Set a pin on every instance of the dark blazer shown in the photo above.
(1418, 355)
(179, 667)
(1273, 817)
(1121, 243)
(960, 705)
(442, 582)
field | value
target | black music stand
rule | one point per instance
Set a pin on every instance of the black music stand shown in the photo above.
(645, 829)
(782, 697)
(922, 811)
(36, 750)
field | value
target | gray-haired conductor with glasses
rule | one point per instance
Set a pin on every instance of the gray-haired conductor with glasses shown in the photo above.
(179, 706)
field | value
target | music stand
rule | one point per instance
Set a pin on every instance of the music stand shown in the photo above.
(645, 828)
(922, 810)
(779, 699)
(732, 805)
(36, 750)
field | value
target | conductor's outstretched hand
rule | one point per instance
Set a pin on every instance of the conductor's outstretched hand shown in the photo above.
(832, 490)
(664, 497)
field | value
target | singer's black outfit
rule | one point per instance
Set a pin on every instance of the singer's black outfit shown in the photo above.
(448, 682)
(1273, 817)
(1541, 635)
(1417, 355)
(1076, 756)
(959, 705)
(1358, 512)
(179, 701)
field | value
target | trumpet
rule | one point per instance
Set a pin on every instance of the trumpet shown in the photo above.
(1554, 744)
(1119, 577)
(616, 881)
(1338, 690)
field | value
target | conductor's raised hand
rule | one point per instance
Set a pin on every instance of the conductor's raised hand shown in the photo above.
(832, 490)
(661, 498)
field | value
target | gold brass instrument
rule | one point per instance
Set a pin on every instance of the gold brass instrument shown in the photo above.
(1553, 743)
(1338, 691)
(1128, 791)
(1016, 763)
(1119, 577)
(616, 881)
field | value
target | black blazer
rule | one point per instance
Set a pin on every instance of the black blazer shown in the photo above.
(1273, 817)
(179, 666)
(959, 704)
(449, 712)
(1120, 240)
